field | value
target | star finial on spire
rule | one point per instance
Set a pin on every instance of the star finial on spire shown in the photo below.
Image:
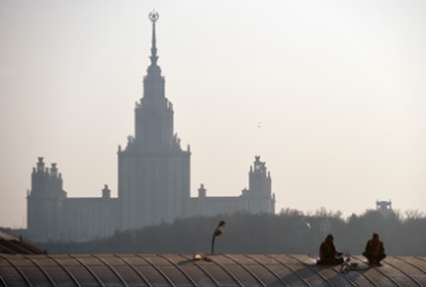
(153, 16)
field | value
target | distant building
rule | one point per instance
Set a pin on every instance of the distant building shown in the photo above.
(53, 216)
(258, 198)
(153, 180)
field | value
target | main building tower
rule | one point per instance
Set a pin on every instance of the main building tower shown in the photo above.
(153, 180)
(153, 170)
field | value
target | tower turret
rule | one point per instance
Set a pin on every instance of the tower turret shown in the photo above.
(44, 201)
(106, 192)
(259, 178)
(259, 194)
(202, 191)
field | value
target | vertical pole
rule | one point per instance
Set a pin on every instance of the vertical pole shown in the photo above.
(213, 241)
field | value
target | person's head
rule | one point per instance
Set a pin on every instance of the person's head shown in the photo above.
(329, 238)
(375, 236)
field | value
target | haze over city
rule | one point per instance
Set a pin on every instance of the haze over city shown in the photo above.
(331, 94)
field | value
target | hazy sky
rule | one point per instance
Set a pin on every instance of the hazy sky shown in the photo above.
(337, 87)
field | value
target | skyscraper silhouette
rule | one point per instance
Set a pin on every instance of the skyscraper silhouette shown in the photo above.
(153, 170)
(153, 180)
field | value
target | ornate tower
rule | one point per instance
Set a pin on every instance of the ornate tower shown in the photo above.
(259, 194)
(153, 170)
(259, 178)
(44, 202)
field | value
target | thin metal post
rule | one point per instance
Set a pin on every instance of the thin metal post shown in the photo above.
(212, 245)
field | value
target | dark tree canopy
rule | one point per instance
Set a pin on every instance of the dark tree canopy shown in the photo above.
(291, 231)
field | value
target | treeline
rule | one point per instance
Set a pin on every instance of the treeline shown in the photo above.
(289, 232)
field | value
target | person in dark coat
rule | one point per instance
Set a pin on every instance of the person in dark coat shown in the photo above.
(328, 253)
(374, 251)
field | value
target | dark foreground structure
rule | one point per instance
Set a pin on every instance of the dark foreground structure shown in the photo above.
(181, 270)
(13, 245)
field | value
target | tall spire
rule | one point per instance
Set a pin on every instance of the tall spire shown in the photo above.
(153, 16)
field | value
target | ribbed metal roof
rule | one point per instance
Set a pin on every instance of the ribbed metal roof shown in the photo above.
(12, 245)
(180, 270)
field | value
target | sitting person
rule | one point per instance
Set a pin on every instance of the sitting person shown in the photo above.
(328, 253)
(374, 250)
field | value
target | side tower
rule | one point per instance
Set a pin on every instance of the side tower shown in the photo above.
(44, 202)
(259, 194)
(153, 170)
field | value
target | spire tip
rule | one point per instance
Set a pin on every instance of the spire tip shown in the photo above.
(153, 16)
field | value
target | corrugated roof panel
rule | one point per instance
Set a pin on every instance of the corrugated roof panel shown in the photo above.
(20, 261)
(419, 262)
(329, 275)
(187, 270)
(403, 273)
(13, 245)
(304, 273)
(30, 273)
(133, 276)
(355, 277)
(133, 259)
(110, 259)
(54, 274)
(242, 275)
(395, 275)
(373, 275)
(140, 270)
(262, 274)
(79, 272)
(152, 275)
(200, 275)
(65, 260)
(218, 273)
(285, 275)
(105, 275)
(416, 272)
(264, 271)
(11, 276)
(175, 276)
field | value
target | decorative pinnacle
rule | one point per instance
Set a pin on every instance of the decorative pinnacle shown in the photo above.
(153, 16)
